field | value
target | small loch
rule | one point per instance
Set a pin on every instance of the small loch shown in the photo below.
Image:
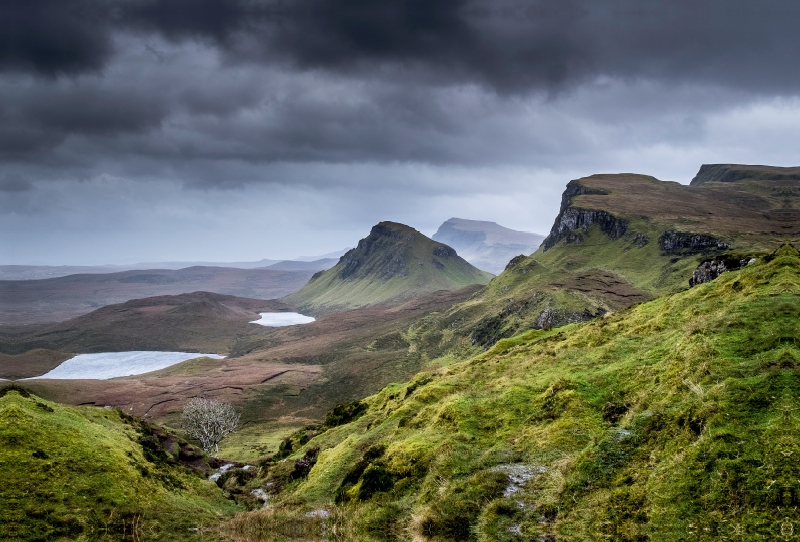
(114, 364)
(280, 319)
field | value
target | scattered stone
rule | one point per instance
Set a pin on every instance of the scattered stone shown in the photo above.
(216, 476)
(260, 494)
(518, 476)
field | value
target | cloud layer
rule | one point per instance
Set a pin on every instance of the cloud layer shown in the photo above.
(383, 105)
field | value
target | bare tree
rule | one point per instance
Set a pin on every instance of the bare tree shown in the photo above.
(209, 421)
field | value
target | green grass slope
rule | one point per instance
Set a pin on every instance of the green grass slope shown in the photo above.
(394, 264)
(672, 420)
(89, 473)
(622, 239)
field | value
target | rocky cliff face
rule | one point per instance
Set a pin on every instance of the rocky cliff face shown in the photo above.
(711, 269)
(575, 218)
(571, 218)
(672, 242)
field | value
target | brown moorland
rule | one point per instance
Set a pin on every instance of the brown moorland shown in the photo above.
(31, 363)
(58, 299)
(283, 377)
(195, 322)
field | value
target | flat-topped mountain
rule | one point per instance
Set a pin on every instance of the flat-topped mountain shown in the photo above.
(393, 264)
(486, 245)
(620, 239)
(746, 205)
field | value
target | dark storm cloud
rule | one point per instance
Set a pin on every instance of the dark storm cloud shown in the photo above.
(507, 45)
(92, 111)
(205, 92)
(14, 182)
(53, 37)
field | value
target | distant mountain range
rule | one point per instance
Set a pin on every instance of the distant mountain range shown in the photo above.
(393, 264)
(486, 245)
(34, 272)
(299, 265)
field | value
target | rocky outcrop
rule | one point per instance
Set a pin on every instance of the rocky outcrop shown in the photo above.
(515, 261)
(707, 271)
(574, 218)
(571, 218)
(672, 242)
(711, 269)
(384, 230)
(444, 251)
(373, 248)
(575, 189)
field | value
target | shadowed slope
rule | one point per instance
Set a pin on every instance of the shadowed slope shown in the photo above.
(394, 264)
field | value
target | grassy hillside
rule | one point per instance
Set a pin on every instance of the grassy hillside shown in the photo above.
(622, 239)
(279, 378)
(94, 474)
(674, 419)
(394, 264)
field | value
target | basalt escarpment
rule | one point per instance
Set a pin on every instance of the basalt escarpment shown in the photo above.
(572, 218)
(673, 242)
(575, 218)
(620, 239)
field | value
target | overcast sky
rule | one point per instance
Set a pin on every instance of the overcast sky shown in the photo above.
(225, 130)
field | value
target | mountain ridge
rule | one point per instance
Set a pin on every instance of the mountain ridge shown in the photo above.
(393, 264)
